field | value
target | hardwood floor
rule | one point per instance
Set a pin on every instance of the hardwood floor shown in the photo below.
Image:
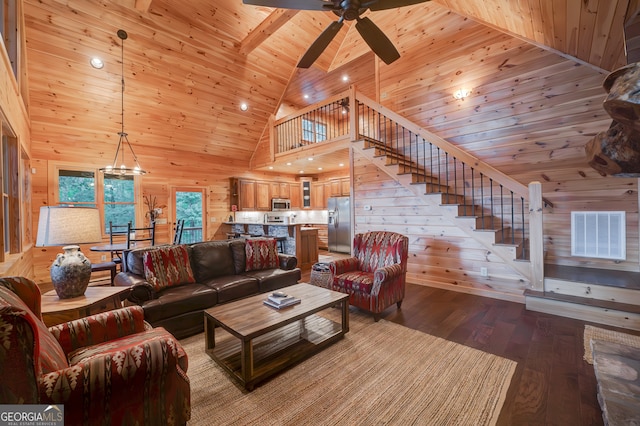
(552, 384)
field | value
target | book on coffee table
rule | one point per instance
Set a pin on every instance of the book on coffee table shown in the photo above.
(281, 304)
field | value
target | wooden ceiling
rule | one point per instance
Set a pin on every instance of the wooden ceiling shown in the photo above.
(189, 65)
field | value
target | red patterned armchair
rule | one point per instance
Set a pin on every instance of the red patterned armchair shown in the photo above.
(375, 276)
(109, 368)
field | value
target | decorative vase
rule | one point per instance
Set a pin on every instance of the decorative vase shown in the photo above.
(70, 273)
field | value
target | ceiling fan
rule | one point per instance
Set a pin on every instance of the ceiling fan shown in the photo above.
(347, 10)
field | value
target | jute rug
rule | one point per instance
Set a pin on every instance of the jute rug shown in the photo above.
(591, 332)
(379, 374)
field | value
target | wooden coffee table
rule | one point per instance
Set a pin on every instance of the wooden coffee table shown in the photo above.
(254, 341)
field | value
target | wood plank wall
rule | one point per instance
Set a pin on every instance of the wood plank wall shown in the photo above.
(530, 114)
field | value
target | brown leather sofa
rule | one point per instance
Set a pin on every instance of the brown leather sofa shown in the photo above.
(219, 269)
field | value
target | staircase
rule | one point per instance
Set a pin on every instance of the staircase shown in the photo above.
(490, 231)
(498, 212)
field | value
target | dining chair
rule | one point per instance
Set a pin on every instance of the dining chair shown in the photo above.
(117, 234)
(177, 231)
(142, 234)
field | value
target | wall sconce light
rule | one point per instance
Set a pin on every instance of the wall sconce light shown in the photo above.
(460, 94)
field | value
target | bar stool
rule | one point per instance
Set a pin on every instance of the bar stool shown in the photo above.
(281, 243)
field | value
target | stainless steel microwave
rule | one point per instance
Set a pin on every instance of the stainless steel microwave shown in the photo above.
(280, 204)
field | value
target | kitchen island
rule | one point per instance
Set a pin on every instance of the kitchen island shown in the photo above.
(298, 239)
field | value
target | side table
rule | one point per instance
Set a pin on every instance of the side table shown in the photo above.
(95, 300)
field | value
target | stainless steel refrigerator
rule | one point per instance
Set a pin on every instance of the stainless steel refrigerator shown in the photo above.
(339, 229)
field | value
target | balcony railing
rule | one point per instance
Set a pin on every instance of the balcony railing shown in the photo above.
(326, 122)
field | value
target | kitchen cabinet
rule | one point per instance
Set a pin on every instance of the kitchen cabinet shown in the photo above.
(308, 249)
(247, 197)
(340, 187)
(345, 186)
(323, 236)
(280, 190)
(295, 195)
(263, 196)
(317, 196)
(253, 195)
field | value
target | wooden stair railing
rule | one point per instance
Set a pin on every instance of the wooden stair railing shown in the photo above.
(491, 207)
(479, 198)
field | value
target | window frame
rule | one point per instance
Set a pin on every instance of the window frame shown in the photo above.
(316, 134)
(10, 178)
(54, 196)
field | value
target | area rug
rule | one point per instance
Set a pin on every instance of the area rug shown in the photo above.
(379, 374)
(591, 332)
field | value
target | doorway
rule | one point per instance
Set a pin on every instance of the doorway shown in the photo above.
(188, 205)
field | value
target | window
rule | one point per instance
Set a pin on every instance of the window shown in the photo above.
(113, 195)
(9, 30)
(11, 206)
(119, 200)
(313, 131)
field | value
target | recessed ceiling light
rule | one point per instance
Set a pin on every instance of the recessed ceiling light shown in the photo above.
(244, 106)
(310, 158)
(319, 168)
(345, 78)
(341, 164)
(301, 171)
(270, 167)
(305, 96)
(288, 164)
(96, 63)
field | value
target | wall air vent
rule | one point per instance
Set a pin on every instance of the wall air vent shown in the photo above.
(598, 234)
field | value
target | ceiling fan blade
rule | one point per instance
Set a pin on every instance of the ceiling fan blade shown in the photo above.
(292, 4)
(377, 41)
(320, 44)
(390, 4)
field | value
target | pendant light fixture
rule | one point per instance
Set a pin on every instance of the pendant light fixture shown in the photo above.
(119, 167)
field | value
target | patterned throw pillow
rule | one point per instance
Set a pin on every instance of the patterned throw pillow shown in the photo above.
(261, 254)
(167, 266)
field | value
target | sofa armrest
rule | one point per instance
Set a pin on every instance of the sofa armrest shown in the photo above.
(141, 289)
(99, 328)
(287, 261)
(341, 266)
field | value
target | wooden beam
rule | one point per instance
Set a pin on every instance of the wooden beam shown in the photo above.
(139, 5)
(143, 5)
(262, 32)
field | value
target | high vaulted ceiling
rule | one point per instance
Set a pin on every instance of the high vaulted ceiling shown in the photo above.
(189, 65)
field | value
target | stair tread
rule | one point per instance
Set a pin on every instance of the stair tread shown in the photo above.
(603, 277)
(596, 303)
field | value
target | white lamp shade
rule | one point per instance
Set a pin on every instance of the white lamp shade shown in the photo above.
(60, 226)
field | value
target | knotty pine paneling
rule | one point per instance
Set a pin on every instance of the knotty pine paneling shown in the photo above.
(530, 114)
(589, 30)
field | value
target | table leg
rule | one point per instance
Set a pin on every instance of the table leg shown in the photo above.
(209, 333)
(247, 360)
(345, 315)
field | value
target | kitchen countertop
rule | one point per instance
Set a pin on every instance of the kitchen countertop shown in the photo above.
(259, 223)
(313, 225)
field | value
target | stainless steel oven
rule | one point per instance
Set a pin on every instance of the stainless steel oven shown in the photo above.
(280, 204)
